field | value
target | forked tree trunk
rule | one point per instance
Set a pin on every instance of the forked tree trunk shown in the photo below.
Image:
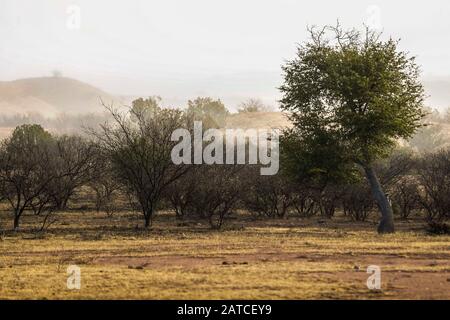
(387, 217)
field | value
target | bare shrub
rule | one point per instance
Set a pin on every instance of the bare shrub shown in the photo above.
(392, 169)
(270, 196)
(304, 201)
(209, 192)
(180, 193)
(107, 190)
(357, 201)
(328, 199)
(75, 166)
(405, 196)
(434, 176)
(438, 228)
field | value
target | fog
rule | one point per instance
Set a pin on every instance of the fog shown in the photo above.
(181, 49)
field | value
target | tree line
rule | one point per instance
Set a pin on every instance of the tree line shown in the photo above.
(41, 173)
(350, 96)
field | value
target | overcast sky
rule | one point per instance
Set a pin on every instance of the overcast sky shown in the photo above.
(231, 49)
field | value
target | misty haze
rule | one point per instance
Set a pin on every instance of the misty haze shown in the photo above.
(101, 199)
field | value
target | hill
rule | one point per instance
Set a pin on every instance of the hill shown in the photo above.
(262, 120)
(50, 96)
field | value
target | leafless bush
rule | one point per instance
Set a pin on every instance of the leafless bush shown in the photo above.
(392, 169)
(438, 228)
(270, 196)
(328, 199)
(107, 190)
(357, 201)
(304, 201)
(180, 193)
(405, 196)
(75, 165)
(434, 176)
(209, 192)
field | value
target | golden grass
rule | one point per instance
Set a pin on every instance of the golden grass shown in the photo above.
(276, 259)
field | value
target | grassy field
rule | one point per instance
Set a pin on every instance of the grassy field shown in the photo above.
(250, 259)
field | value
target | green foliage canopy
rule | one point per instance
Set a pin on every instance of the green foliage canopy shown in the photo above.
(350, 97)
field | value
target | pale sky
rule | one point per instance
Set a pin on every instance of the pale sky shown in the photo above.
(229, 49)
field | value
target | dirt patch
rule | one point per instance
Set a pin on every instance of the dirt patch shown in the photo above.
(398, 284)
(359, 261)
(190, 261)
(398, 281)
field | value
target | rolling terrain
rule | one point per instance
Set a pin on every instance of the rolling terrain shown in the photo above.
(50, 96)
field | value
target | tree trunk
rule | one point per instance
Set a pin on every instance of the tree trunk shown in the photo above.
(65, 201)
(16, 222)
(148, 214)
(61, 203)
(148, 221)
(387, 218)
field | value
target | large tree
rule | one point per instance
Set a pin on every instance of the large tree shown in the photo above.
(351, 96)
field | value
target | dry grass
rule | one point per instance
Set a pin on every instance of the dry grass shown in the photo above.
(251, 259)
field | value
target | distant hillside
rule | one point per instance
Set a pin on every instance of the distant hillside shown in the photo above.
(50, 96)
(263, 120)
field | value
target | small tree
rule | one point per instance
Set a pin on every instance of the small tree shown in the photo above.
(139, 147)
(145, 106)
(105, 185)
(26, 170)
(253, 105)
(212, 112)
(74, 164)
(356, 94)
